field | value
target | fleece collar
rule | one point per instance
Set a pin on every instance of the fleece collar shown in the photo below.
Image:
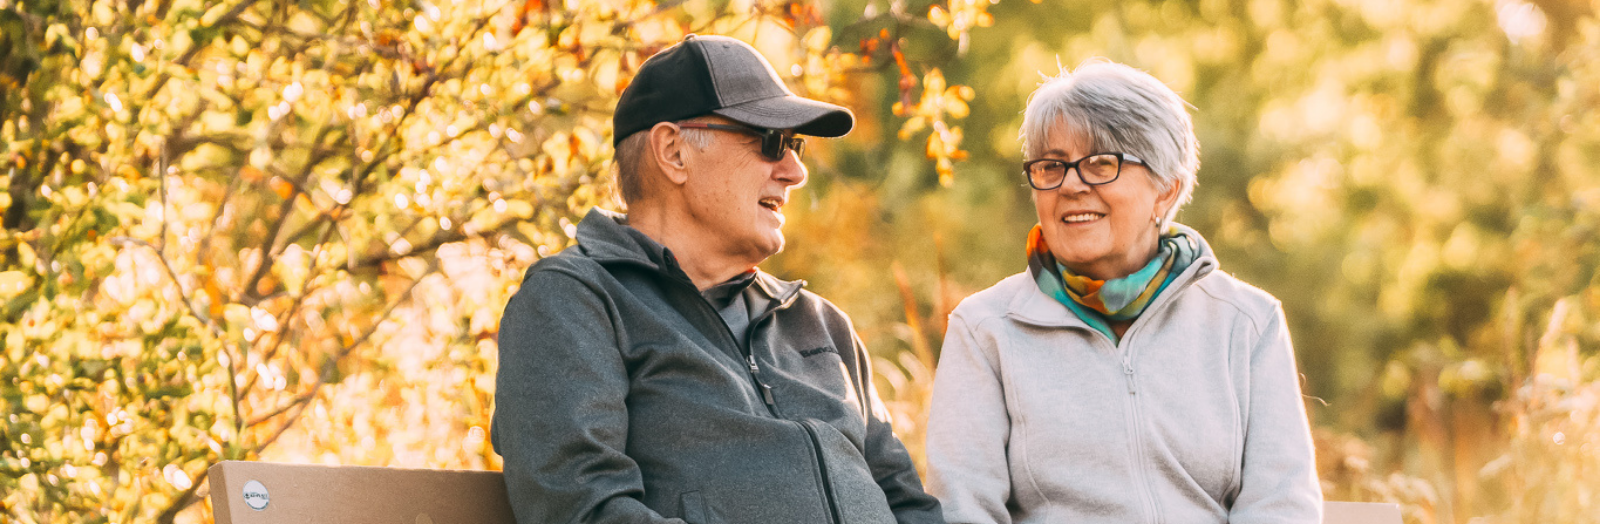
(1036, 308)
(605, 237)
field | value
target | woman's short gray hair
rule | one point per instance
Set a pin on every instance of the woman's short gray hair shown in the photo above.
(1116, 108)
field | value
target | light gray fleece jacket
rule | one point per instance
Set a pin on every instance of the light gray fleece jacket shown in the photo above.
(1196, 417)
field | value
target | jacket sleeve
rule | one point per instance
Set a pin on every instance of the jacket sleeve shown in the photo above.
(969, 429)
(887, 457)
(560, 419)
(1279, 478)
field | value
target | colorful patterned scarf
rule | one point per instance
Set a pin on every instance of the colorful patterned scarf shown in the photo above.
(1099, 302)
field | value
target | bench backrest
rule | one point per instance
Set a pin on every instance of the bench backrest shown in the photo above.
(1360, 513)
(264, 492)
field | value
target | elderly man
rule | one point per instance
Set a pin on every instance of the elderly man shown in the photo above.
(652, 374)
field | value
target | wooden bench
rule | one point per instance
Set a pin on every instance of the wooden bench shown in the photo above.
(264, 492)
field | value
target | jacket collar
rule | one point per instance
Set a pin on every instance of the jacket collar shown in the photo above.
(1032, 306)
(605, 237)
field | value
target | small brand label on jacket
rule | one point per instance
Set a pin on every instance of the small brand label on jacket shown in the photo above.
(818, 351)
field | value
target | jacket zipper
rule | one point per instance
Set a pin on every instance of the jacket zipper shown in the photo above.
(766, 394)
(1136, 443)
(1135, 429)
(762, 389)
(750, 355)
(822, 465)
(811, 434)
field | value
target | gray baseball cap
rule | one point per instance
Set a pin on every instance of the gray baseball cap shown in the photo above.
(719, 75)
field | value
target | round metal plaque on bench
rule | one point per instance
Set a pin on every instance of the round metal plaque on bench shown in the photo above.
(255, 495)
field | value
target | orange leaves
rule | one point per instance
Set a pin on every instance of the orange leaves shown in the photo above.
(797, 14)
(908, 81)
(528, 7)
(938, 104)
(281, 187)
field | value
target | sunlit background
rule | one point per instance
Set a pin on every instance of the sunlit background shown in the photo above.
(286, 230)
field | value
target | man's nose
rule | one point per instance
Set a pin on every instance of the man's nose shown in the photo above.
(790, 171)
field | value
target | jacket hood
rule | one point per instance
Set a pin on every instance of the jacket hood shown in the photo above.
(1039, 309)
(605, 237)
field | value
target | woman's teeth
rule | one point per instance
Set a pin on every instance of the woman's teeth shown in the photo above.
(1081, 217)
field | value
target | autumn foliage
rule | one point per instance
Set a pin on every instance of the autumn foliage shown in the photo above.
(286, 230)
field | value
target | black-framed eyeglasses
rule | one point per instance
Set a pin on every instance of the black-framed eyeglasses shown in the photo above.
(774, 142)
(1100, 168)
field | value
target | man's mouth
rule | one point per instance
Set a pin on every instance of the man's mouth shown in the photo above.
(773, 203)
(1080, 218)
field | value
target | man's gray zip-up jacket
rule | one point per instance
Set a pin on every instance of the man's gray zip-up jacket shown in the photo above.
(622, 396)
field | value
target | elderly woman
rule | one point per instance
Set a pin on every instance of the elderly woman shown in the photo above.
(1122, 377)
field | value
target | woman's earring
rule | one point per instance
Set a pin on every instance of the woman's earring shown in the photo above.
(1155, 219)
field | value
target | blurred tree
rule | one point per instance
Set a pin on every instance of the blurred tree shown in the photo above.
(1416, 181)
(286, 230)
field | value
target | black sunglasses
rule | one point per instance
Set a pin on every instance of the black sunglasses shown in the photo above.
(773, 142)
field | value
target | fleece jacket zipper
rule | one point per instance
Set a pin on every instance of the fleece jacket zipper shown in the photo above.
(762, 389)
(766, 391)
(1136, 431)
(1135, 412)
(1133, 418)
(822, 464)
(749, 351)
(1135, 407)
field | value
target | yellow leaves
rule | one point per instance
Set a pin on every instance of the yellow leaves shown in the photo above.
(176, 477)
(26, 257)
(293, 268)
(938, 103)
(36, 403)
(13, 283)
(215, 13)
(818, 39)
(962, 16)
(608, 73)
(1557, 353)
(236, 314)
(519, 208)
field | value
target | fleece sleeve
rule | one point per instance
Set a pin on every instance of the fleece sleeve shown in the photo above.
(560, 419)
(969, 430)
(1279, 479)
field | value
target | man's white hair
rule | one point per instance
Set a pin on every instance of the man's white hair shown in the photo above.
(1114, 108)
(630, 158)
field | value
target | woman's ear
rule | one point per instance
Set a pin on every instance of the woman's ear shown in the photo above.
(667, 149)
(1168, 199)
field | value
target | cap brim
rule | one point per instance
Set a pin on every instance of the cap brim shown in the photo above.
(805, 116)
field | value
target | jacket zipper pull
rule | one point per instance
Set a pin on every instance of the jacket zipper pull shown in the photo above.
(766, 394)
(766, 391)
(1127, 370)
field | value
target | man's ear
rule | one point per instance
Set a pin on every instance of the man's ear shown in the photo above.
(667, 149)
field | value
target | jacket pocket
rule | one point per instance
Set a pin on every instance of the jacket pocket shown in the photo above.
(852, 492)
(694, 508)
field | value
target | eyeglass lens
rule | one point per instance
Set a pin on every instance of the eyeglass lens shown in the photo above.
(1095, 169)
